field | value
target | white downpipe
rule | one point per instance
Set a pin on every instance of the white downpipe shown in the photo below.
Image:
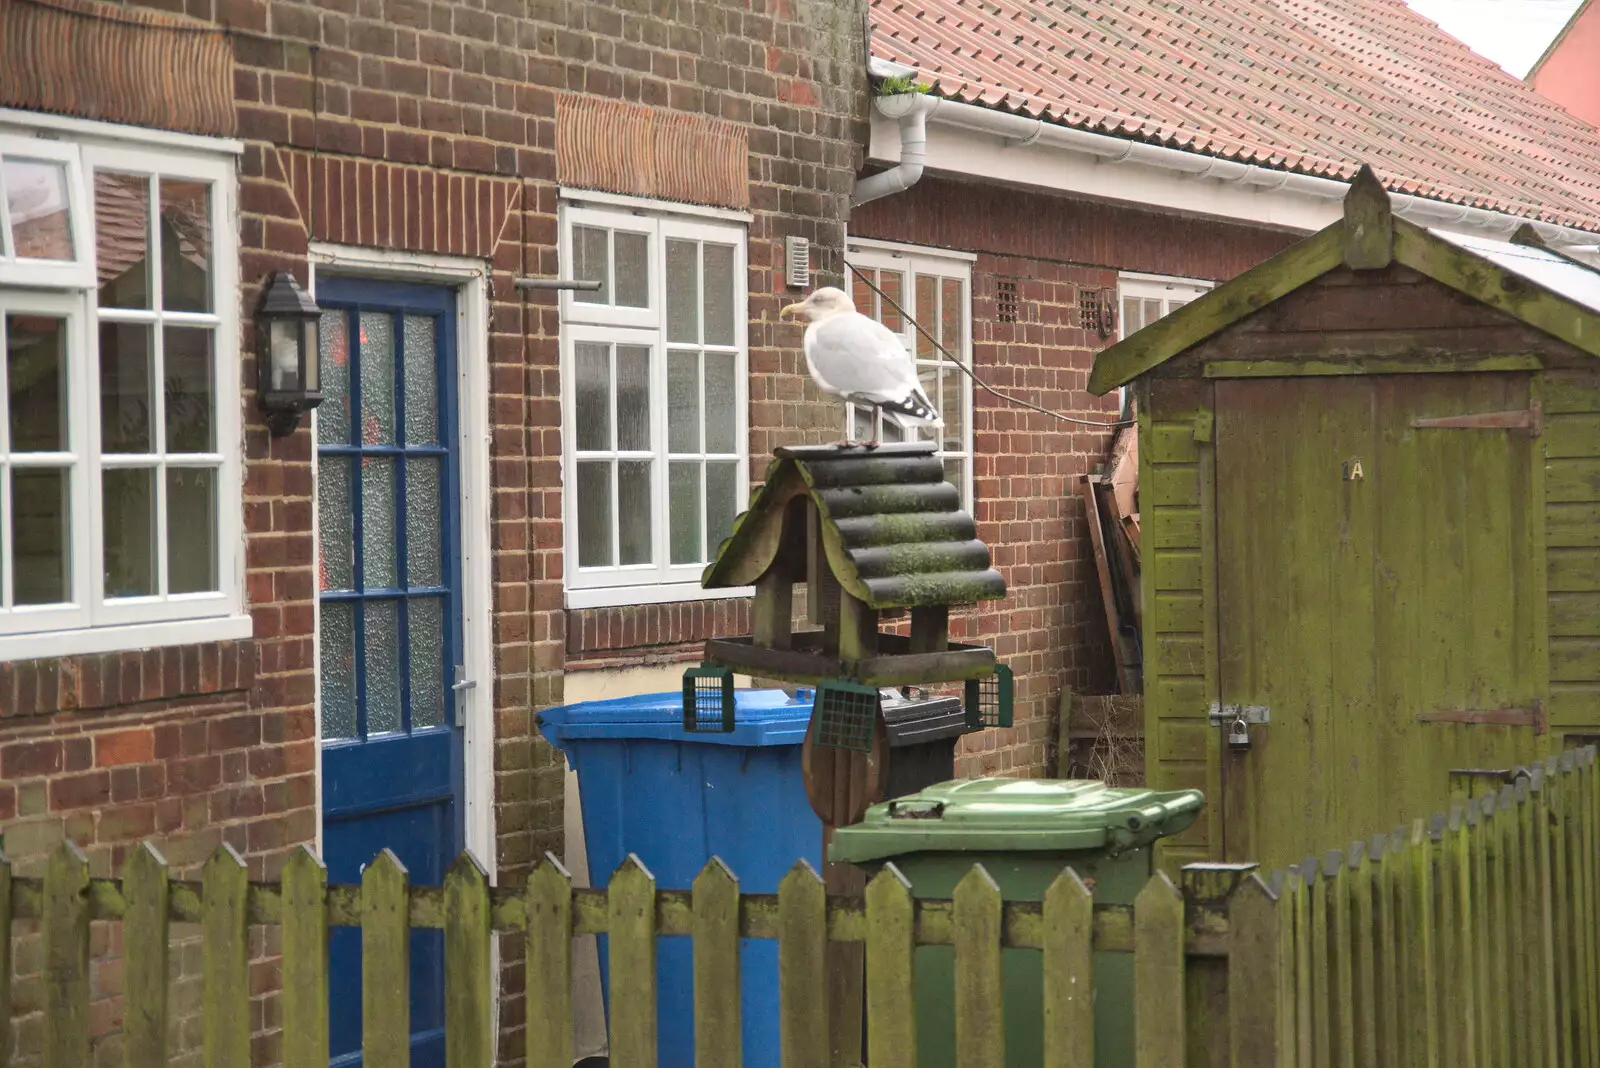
(912, 109)
(1020, 131)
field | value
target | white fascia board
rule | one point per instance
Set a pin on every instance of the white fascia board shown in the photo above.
(960, 151)
(974, 142)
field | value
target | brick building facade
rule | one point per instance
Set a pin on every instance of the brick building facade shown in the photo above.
(464, 146)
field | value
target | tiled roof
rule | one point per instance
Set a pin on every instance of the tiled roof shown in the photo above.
(1313, 86)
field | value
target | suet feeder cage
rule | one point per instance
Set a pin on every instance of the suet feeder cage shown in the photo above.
(846, 714)
(989, 700)
(708, 700)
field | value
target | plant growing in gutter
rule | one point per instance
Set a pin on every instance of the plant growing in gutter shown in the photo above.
(900, 85)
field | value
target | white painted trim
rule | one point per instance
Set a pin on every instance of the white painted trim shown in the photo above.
(872, 244)
(127, 638)
(997, 146)
(92, 129)
(470, 279)
(1166, 280)
(667, 593)
(649, 207)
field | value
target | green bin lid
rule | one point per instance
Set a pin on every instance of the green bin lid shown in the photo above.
(1010, 815)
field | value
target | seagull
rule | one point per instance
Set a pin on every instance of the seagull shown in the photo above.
(861, 360)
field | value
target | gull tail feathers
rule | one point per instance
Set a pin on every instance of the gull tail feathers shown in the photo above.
(914, 409)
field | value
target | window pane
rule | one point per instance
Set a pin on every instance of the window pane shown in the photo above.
(424, 526)
(861, 423)
(683, 292)
(333, 414)
(1130, 316)
(633, 398)
(126, 403)
(187, 355)
(382, 642)
(36, 198)
(719, 297)
(955, 471)
(893, 285)
(861, 293)
(683, 401)
(927, 313)
(592, 383)
(337, 672)
(185, 245)
(425, 633)
(951, 385)
(594, 514)
(335, 524)
(684, 506)
(422, 385)
(122, 238)
(128, 498)
(377, 378)
(633, 270)
(633, 511)
(40, 533)
(591, 264)
(951, 308)
(1152, 311)
(722, 403)
(722, 501)
(191, 530)
(378, 523)
(36, 382)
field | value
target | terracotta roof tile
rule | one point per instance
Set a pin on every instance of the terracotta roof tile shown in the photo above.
(1314, 86)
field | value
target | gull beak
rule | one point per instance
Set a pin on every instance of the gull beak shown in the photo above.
(790, 309)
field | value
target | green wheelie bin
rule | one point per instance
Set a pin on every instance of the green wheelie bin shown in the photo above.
(1024, 832)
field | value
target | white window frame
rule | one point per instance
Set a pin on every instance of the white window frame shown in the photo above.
(661, 581)
(1133, 285)
(912, 260)
(90, 622)
(77, 272)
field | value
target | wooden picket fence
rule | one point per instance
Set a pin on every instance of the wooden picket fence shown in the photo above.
(1465, 940)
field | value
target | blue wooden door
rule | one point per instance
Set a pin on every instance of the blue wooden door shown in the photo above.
(390, 626)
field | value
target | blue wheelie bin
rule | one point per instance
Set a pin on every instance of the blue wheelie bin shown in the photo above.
(675, 799)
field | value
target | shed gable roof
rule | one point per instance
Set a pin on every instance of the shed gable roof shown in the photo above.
(1543, 289)
(892, 527)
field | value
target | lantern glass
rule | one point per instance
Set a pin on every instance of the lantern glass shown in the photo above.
(311, 356)
(284, 338)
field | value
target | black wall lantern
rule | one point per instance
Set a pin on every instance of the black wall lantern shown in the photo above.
(288, 382)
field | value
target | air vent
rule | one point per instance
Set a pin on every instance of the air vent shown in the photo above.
(1007, 308)
(1097, 311)
(797, 261)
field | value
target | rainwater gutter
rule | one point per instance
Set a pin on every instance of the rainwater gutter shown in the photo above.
(1020, 131)
(912, 111)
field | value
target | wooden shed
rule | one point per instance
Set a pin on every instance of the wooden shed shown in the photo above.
(1370, 482)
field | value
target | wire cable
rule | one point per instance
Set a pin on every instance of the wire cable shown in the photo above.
(968, 371)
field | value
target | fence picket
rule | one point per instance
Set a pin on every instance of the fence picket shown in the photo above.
(980, 1015)
(1322, 1033)
(305, 961)
(1363, 885)
(1305, 988)
(1484, 961)
(1342, 957)
(385, 963)
(1561, 901)
(715, 901)
(144, 959)
(1514, 970)
(1447, 944)
(1467, 935)
(1423, 1004)
(631, 923)
(1068, 973)
(1255, 976)
(1386, 851)
(1286, 886)
(1543, 888)
(547, 906)
(802, 968)
(1589, 900)
(1531, 925)
(224, 889)
(66, 958)
(1158, 974)
(5, 960)
(891, 943)
(468, 1001)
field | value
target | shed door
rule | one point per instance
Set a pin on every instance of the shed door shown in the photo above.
(1388, 617)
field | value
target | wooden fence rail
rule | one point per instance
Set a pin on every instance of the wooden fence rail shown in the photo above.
(1469, 939)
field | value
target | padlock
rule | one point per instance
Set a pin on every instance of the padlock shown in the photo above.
(1239, 735)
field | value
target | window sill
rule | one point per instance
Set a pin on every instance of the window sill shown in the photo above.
(50, 644)
(666, 593)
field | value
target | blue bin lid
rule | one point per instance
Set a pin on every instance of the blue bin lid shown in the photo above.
(761, 717)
